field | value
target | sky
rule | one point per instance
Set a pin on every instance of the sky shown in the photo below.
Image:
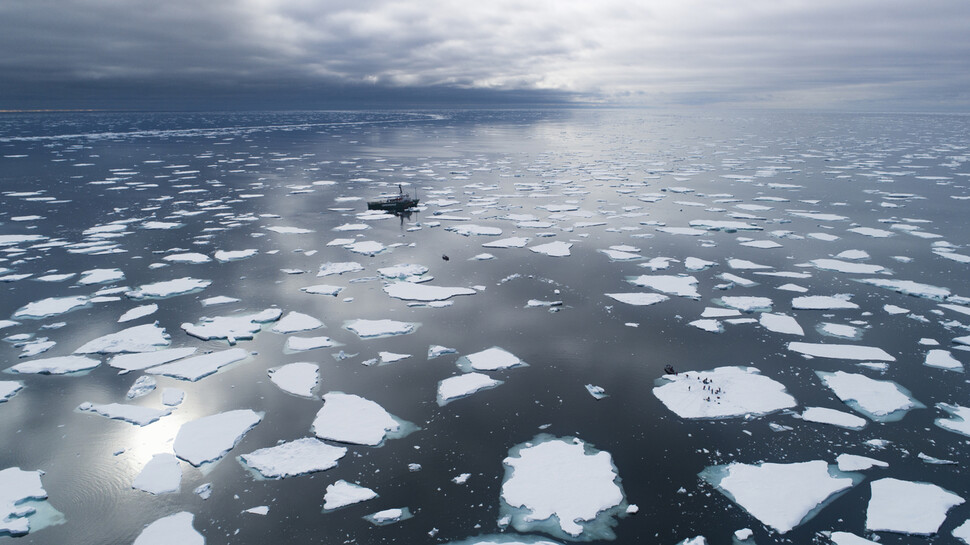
(857, 55)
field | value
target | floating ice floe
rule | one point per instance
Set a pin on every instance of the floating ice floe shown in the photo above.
(195, 368)
(369, 329)
(328, 269)
(959, 421)
(298, 378)
(746, 303)
(143, 386)
(724, 225)
(908, 507)
(175, 528)
(61, 365)
(302, 344)
(854, 462)
(962, 532)
(942, 359)
(723, 392)
(554, 249)
(209, 438)
(847, 267)
(232, 328)
(162, 474)
(879, 400)
(294, 322)
(406, 271)
(169, 288)
(823, 302)
(218, 300)
(617, 255)
(366, 247)
(598, 392)
(436, 351)
(388, 516)
(514, 242)
(18, 489)
(781, 496)
(745, 265)
(342, 493)
(307, 455)
(284, 230)
(709, 325)
(138, 312)
(855, 352)
(161, 225)
(142, 338)
(563, 487)
(51, 306)
(833, 417)
(780, 323)
(133, 414)
(453, 388)
(322, 289)
(491, 359)
(172, 397)
(422, 292)
(908, 287)
(638, 298)
(223, 256)
(100, 276)
(188, 257)
(682, 286)
(9, 388)
(144, 360)
(472, 229)
(347, 418)
(870, 232)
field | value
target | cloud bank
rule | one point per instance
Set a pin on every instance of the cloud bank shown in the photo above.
(866, 54)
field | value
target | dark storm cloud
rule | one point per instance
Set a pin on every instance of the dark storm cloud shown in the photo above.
(316, 54)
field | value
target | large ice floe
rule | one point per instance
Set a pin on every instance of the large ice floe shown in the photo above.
(491, 359)
(197, 367)
(423, 292)
(298, 378)
(723, 392)
(464, 385)
(209, 438)
(879, 400)
(51, 306)
(61, 365)
(142, 338)
(908, 507)
(232, 328)
(563, 487)
(175, 528)
(347, 418)
(169, 288)
(297, 457)
(161, 475)
(781, 495)
(19, 492)
(841, 351)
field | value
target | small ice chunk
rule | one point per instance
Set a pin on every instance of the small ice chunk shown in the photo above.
(717, 312)
(562, 486)
(209, 438)
(421, 292)
(841, 351)
(880, 400)
(203, 490)
(175, 528)
(195, 368)
(258, 510)
(472, 229)
(514, 242)
(554, 249)
(908, 507)
(793, 287)
(295, 322)
(298, 378)
(347, 418)
(391, 357)
(597, 391)
(218, 300)
(302, 344)
(723, 392)
(780, 323)
(172, 397)
(61, 365)
(322, 289)
(854, 462)
(745, 265)
(709, 325)
(138, 312)
(781, 496)
(134, 414)
(638, 298)
(143, 386)
(307, 455)
(823, 302)
(492, 359)
(169, 288)
(682, 286)
(342, 493)
(142, 338)
(696, 264)
(162, 474)
(436, 350)
(453, 388)
(368, 329)
(286, 230)
(833, 417)
(388, 516)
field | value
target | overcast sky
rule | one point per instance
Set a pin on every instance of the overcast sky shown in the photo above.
(881, 55)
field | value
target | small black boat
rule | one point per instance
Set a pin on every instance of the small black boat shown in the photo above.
(396, 203)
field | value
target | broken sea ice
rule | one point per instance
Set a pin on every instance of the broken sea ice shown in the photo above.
(562, 486)
(299, 457)
(880, 400)
(209, 438)
(908, 507)
(347, 418)
(723, 392)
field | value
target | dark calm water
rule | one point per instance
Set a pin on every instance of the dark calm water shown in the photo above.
(229, 176)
